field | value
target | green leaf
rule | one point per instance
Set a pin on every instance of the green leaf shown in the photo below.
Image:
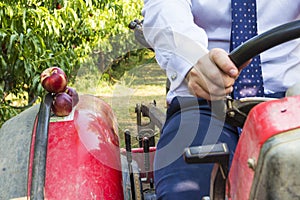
(27, 69)
(13, 38)
(35, 80)
(21, 38)
(3, 62)
(9, 11)
(24, 19)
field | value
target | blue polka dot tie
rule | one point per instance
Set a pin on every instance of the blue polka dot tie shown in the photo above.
(244, 27)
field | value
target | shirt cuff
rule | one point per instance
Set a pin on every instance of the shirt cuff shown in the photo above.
(183, 59)
(177, 70)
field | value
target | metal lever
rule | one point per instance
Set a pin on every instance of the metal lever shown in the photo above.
(129, 162)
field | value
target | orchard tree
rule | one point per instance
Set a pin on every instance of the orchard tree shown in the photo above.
(35, 35)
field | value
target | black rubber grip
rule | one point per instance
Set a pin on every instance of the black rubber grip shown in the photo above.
(40, 149)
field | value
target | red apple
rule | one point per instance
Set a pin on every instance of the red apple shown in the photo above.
(54, 80)
(73, 93)
(62, 104)
(58, 6)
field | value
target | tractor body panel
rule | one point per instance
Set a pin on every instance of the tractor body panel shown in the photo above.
(15, 138)
(264, 121)
(83, 155)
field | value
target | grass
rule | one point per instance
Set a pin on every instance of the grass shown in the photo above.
(142, 84)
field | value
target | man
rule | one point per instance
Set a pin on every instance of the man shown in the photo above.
(191, 39)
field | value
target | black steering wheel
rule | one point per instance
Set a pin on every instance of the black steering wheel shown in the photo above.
(235, 111)
(265, 41)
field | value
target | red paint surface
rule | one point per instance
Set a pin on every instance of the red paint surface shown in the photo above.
(264, 121)
(83, 158)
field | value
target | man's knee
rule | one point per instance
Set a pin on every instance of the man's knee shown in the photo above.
(182, 191)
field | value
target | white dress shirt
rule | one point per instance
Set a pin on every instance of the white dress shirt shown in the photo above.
(182, 31)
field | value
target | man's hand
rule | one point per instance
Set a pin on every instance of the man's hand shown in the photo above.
(213, 75)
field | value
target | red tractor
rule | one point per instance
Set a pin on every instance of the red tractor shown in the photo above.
(79, 157)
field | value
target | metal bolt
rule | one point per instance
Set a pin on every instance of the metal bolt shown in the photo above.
(251, 163)
(231, 114)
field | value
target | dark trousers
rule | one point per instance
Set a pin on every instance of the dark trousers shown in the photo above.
(189, 123)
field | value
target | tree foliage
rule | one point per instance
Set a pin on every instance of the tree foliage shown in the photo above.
(35, 35)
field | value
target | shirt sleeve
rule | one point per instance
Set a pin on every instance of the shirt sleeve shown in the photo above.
(177, 41)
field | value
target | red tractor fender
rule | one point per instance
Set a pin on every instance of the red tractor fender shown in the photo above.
(83, 155)
(264, 121)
